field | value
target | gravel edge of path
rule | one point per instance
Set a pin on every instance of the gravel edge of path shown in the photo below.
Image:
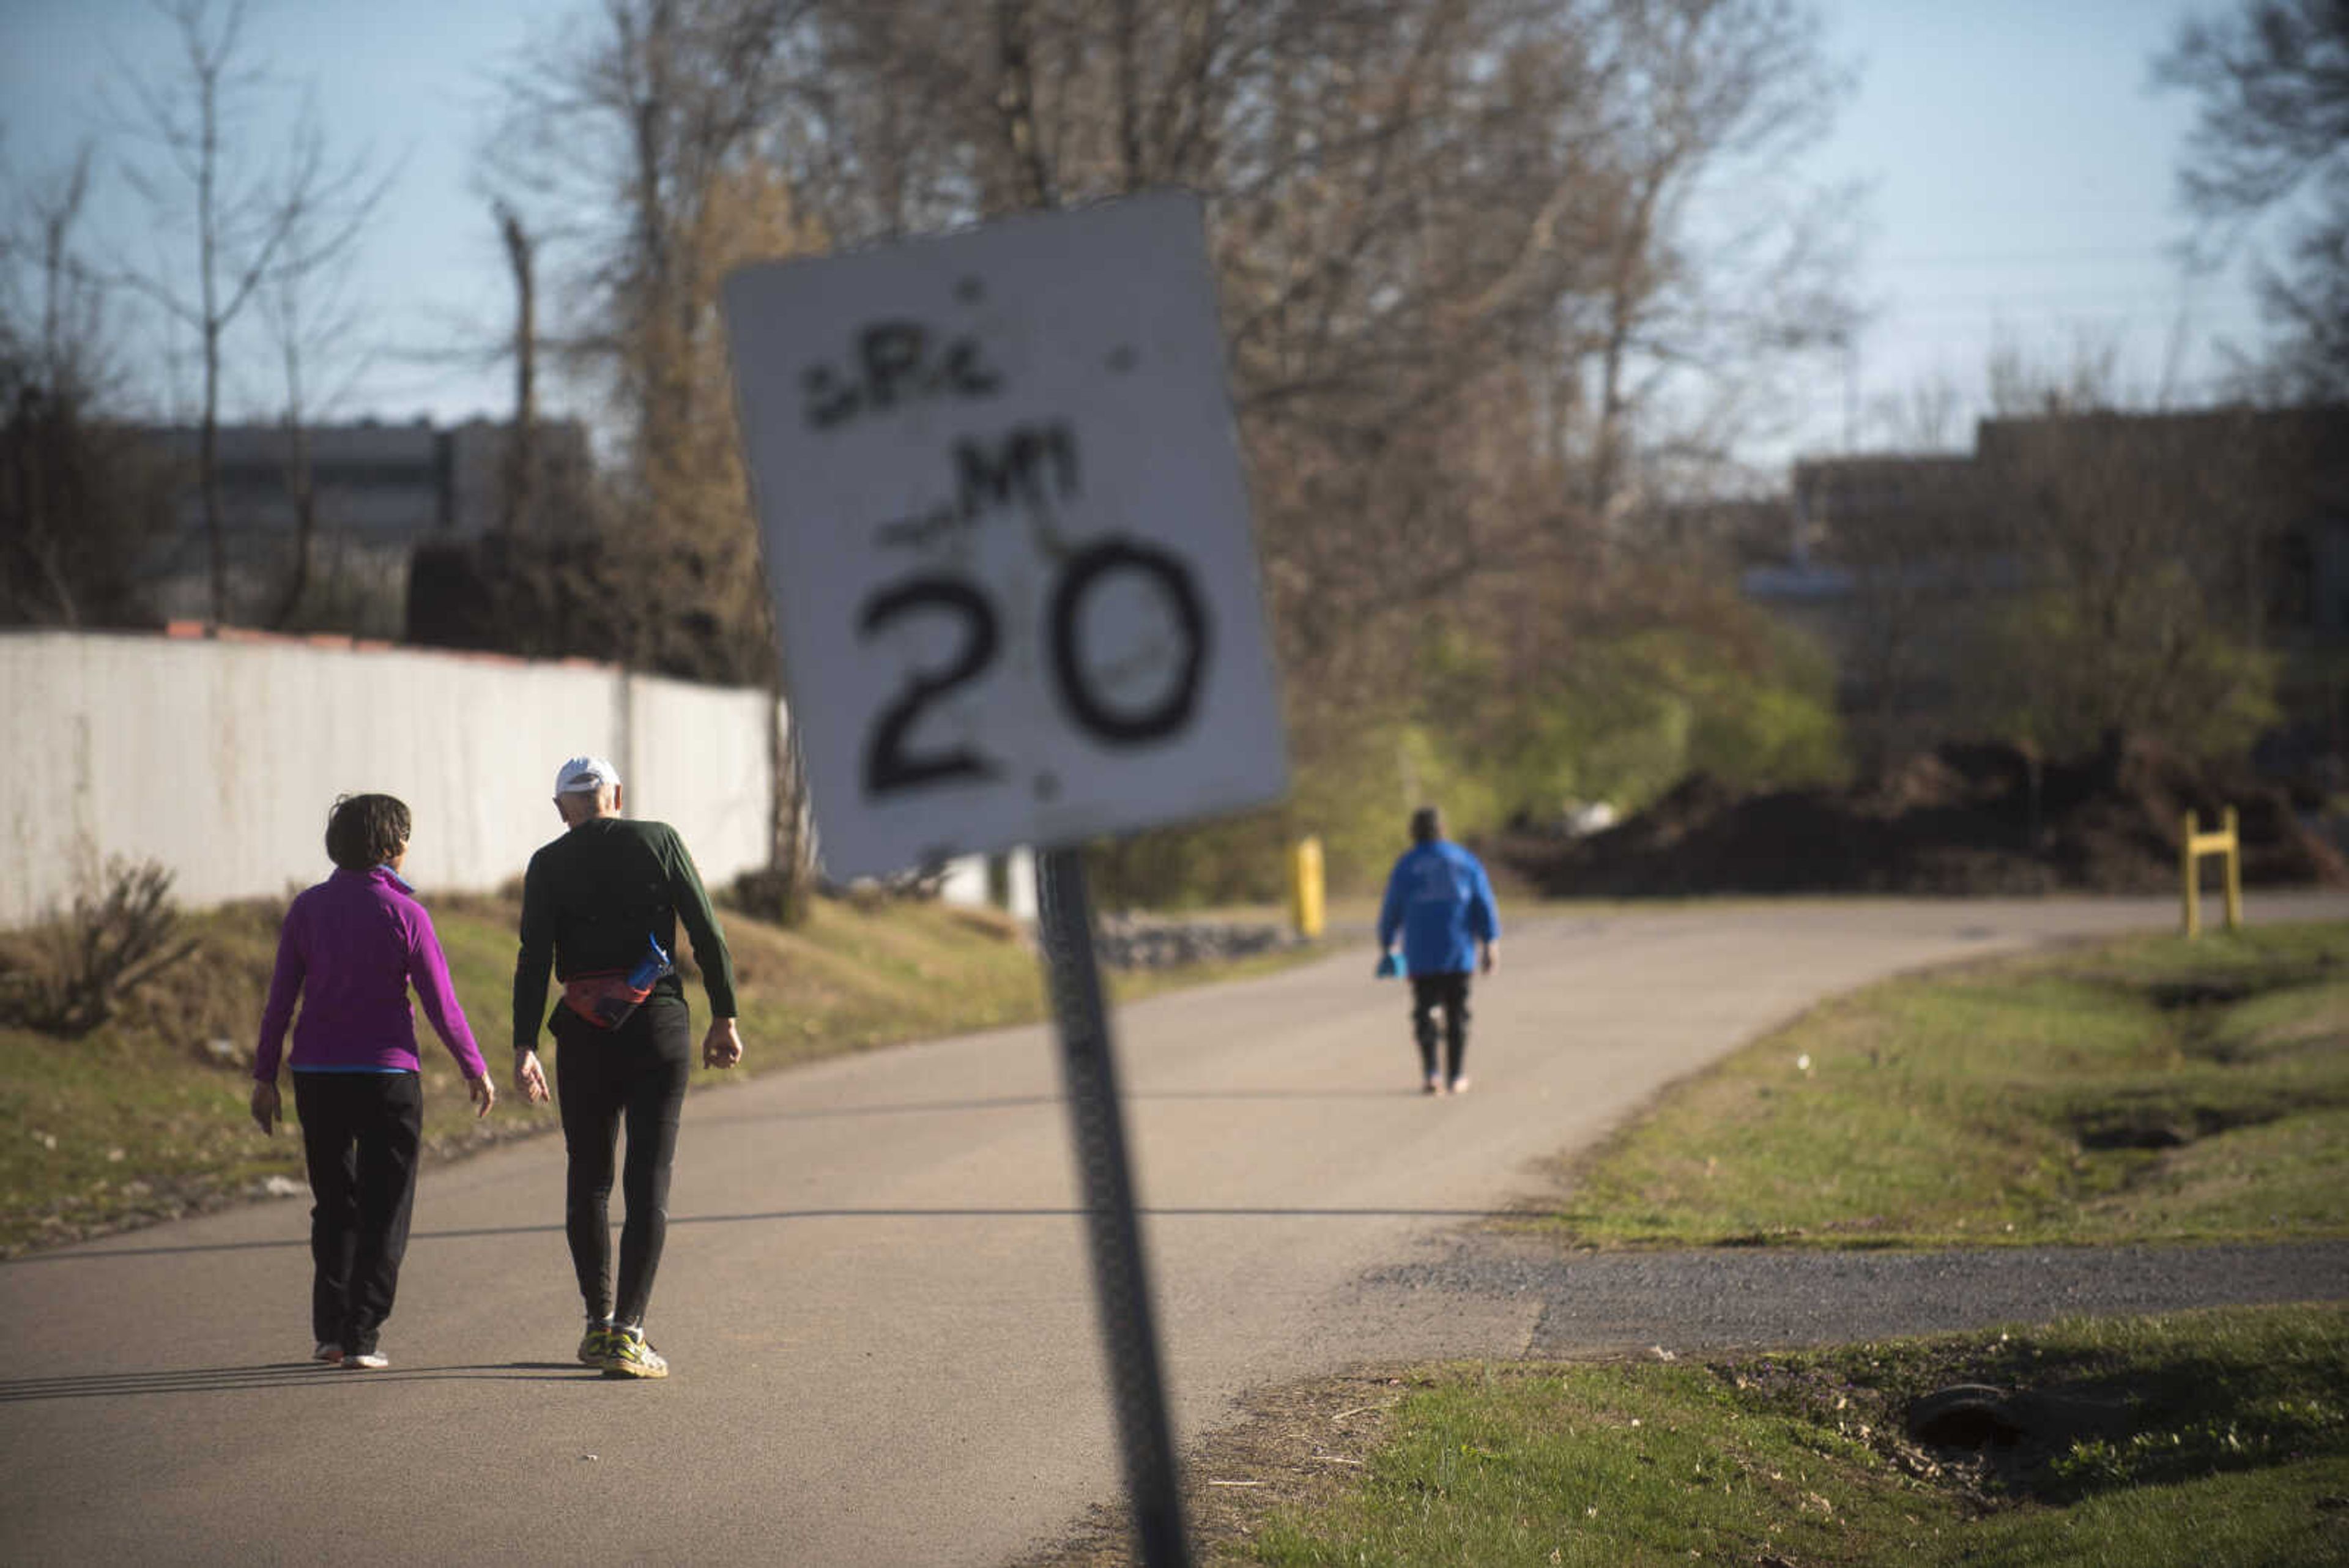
(1722, 1298)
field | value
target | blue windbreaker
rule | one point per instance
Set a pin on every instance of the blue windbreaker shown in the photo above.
(1440, 899)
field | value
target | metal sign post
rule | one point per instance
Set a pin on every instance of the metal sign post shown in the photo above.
(1114, 1228)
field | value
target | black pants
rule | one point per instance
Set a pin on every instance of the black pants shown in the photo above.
(1450, 992)
(360, 1133)
(635, 1074)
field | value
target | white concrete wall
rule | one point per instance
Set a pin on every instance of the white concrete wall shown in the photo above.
(969, 880)
(220, 758)
(698, 758)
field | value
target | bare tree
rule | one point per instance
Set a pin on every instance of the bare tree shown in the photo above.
(1494, 275)
(1494, 272)
(620, 132)
(520, 475)
(71, 303)
(248, 221)
(78, 498)
(654, 123)
(1928, 417)
(305, 305)
(2272, 78)
(650, 124)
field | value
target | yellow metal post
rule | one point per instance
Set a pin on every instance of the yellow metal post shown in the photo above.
(2187, 868)
(2234, 872)
(1307, 899)
(2194, 844)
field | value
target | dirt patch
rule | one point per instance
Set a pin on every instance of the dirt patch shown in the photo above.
(2195, 995)
(2162, 1125)
(1961, 819)
(1289, 1447)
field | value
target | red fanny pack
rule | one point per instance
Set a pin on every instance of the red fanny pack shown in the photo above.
(606, 1000)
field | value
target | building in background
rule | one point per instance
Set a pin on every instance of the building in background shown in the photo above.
(1893, 560)
(1890, 560)
(376, 490)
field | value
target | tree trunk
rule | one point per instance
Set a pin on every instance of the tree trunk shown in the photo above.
(208, 262)
(303, 488)
(789, 839)
(1015, 102)
(521, 442)
(208, 475)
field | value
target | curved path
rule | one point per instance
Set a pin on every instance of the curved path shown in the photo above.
(875, 1296)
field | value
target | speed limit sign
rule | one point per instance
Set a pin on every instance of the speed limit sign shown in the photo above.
(1007, 534)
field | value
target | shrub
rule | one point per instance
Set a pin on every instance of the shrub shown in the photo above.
(73, 972)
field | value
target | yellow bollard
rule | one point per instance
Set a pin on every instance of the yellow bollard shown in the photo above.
(2192, 845)
(2186, 870)
(2234, 872)
(1306, 903)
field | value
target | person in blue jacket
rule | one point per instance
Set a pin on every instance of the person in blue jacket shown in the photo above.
(1440, 902)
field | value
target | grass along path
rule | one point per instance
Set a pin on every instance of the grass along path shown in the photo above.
(145, 1119)
(2201, 1439)
(2145, 1090)
(2148, 1090)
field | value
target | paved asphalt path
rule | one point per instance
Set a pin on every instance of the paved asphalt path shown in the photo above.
(875, 1296)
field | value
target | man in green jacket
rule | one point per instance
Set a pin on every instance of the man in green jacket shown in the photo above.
(600, 906)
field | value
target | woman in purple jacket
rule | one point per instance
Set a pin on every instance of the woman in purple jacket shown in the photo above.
(350, 947)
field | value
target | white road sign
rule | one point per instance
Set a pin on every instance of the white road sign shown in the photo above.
(1007, 534)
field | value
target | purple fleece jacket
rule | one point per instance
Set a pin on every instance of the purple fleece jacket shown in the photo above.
(350, 948)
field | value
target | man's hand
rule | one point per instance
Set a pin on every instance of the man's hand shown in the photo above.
(1489, 957)
(721, 1047)
(529, 1078)
(484, 1093)
(265, 1107)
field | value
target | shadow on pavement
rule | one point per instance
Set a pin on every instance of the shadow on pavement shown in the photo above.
(778, 1216)
(1029, 1102)
(275, 1376)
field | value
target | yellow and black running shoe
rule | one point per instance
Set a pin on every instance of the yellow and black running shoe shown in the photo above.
(628, 1353)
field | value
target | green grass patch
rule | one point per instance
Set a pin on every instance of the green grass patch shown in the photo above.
(145, 1118)
(2148, 1089)
(2194, 1439)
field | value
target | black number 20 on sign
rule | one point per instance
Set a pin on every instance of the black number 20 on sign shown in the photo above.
(892, 765)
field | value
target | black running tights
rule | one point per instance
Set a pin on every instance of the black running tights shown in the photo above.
(632, 1076)
(1448, 994)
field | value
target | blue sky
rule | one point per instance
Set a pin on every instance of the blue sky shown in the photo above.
(2019, 173)
(2022, 187)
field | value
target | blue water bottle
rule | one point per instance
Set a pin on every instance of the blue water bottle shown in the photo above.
(650, 967)
(616, 1006)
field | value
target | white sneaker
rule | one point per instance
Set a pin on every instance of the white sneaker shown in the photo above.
(1434, 1084)
(367, 1361)
(1460, 1085)
(328, 1352)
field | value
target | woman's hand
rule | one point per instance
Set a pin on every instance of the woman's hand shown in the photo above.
(265, 1107)
(529, 1078)
(484, 1093)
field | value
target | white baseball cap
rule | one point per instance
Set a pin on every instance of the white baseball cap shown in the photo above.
(582, 775)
